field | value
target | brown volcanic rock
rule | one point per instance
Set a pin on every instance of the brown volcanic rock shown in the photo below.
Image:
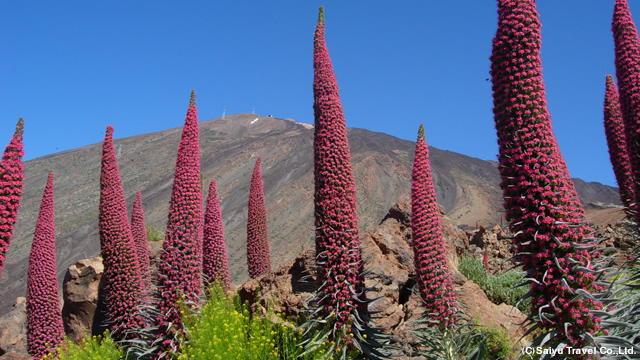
(81, 287)
(476, 303)
(466, 187)
(13, 330)
(285, 285)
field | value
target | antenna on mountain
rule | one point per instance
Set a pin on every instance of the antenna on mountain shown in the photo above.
(223, 111)
(119, 151)
(254, 111)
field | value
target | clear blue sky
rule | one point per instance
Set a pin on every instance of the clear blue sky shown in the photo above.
(71, 68)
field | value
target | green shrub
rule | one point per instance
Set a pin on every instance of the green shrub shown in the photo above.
(464, 339)
(461, 339)
(498, 343)
(154, 234)
(225, 329)
(94, 348)
(473, 269)
(500, 288)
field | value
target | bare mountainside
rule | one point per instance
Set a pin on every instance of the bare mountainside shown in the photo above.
(466, 187)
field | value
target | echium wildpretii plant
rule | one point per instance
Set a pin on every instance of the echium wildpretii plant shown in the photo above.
(258, 256)
(627, 59)
(180, 264)
(10, 189)
(432, 271)
(551, 235)
(341, 317)
(616, 140)
(139, 233)
(215, 264)
(44, 318)
(122, 278)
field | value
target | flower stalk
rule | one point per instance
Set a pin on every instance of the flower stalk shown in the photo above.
(432, 271)
(181, 260)
(617, 142)
(258, 255)
(215, 262)
(552, 237)
(122, 278)
(11, 177)
(44, 318)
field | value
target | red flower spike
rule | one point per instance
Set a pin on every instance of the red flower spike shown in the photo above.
(336, 221)
(181, 261)
(616, 140)
(485, 261)
(122, 276)
(540, 198)
(215, 264)
(139, 232)
(10, 189)
(44, 318)
(627, 58)
(258, 256)
(432, 272)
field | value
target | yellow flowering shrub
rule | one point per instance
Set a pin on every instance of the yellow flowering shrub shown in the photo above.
(93, 348)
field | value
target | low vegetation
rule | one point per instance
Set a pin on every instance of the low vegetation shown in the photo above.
(154, 234)
(500, 288)
(226, 329)
(92, 348)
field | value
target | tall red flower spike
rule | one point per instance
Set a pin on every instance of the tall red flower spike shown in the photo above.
(122, 277)
(10, 189)
(540, 198)
(432, 271)
(258, 256)
(215, 264)
(338, 251)
(617, 141)
(139, 232)
(44, 318)
(181, 261)
(627, 48)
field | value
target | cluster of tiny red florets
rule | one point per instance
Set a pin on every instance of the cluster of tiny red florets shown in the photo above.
(215, 264)
(540, 198)
(258, 255)
(44, 319)
(617, 142)
(337, 244)
(181, 261)
(10, 189)
(122, 276)
(627, 59)
(432, 271)
(139, 233)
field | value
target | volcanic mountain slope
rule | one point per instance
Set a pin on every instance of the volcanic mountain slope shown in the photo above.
(466, 187)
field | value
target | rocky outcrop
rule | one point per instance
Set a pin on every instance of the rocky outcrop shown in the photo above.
(476, 303)
(388, 258)
(13, 331)
(81, 298)
(284, 290)
(496, 242)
